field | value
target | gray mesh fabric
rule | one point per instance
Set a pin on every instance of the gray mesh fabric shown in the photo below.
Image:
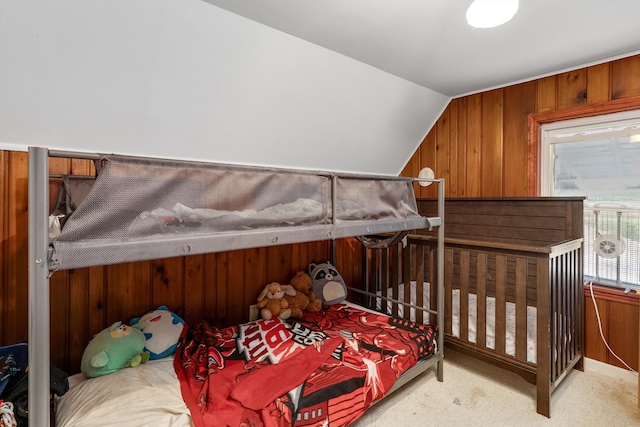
(143, 208)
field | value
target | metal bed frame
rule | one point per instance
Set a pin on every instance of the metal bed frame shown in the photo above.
(41, 267)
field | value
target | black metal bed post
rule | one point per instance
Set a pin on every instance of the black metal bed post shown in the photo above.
(39, 322)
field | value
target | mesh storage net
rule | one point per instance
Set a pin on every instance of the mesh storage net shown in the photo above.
(141, 208)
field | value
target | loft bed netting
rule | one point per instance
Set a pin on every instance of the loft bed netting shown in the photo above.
(141, 208)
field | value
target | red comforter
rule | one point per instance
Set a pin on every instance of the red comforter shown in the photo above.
(324, 369)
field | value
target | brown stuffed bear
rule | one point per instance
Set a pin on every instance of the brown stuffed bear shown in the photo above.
(272, 303)
(305, 298)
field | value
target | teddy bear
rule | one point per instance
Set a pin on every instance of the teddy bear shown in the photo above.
(272, 303)
(305, 298)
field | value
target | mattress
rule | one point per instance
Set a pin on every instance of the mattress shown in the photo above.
(358, 356)
(510, 339)
(147, 395)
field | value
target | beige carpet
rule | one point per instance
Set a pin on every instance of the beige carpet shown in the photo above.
(475, 393)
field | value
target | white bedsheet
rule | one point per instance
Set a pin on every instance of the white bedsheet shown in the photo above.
(300, 210)
(147, 395)
(510, 344)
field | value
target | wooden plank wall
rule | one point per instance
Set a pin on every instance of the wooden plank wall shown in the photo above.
(617, 312)
(218, 287)
(480, 146)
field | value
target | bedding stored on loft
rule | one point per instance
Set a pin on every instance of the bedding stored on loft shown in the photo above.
(143, 209)
(137, 202)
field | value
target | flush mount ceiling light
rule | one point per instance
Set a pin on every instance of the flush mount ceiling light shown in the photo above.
(491, 13)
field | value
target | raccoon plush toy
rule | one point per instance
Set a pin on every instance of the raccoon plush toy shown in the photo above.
(327, 284)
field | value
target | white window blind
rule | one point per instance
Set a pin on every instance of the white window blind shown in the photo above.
(599, 158)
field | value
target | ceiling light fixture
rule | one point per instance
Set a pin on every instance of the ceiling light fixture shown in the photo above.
(491, 13)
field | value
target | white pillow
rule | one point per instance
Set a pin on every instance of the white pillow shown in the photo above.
(147, 395)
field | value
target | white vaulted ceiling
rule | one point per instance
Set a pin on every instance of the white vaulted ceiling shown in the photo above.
(429, 42)
(345, 85)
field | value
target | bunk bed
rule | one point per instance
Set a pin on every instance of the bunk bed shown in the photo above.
(144, 209)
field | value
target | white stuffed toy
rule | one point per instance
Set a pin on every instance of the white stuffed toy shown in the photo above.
(161, 329)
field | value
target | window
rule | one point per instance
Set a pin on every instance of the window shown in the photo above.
(599, 158)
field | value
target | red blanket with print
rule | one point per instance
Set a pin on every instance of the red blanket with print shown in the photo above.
(326, 368)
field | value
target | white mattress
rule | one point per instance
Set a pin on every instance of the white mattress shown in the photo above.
(510, 344)
(147, 395)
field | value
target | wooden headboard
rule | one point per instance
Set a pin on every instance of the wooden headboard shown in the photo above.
(528, 221)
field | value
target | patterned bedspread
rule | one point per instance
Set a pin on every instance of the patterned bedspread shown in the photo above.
(324, 369)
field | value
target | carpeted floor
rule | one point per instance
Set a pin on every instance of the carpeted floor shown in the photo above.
(475, 393)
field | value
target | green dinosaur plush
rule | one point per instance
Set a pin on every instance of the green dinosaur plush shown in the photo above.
(117, 347)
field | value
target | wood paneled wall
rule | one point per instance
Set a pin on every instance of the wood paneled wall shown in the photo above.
(218, 287)
(480, 146)
(617, 312)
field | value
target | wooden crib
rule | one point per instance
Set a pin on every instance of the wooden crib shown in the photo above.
(514, 256)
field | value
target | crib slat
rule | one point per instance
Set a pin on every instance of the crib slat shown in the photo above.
(543, 344)
(406, 278)
(374, 284)
(368, 259)
(376, 265)
(433, 282)
(448, 279)
(521, 309)
(501, 304)
(578, 304)
(419, 263)
(464, 295)
(578, 269)
(388, 282)
(554, 319)
(481, 314)
(573, 351)
(562, 314)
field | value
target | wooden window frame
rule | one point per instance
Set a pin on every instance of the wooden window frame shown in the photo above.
(536, 120)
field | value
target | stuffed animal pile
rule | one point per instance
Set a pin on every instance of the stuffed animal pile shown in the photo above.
(323, 285)
(151, 336)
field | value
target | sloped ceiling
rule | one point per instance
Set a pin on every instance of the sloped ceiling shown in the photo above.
(340, 85)
(185, 79)
(428, 42)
